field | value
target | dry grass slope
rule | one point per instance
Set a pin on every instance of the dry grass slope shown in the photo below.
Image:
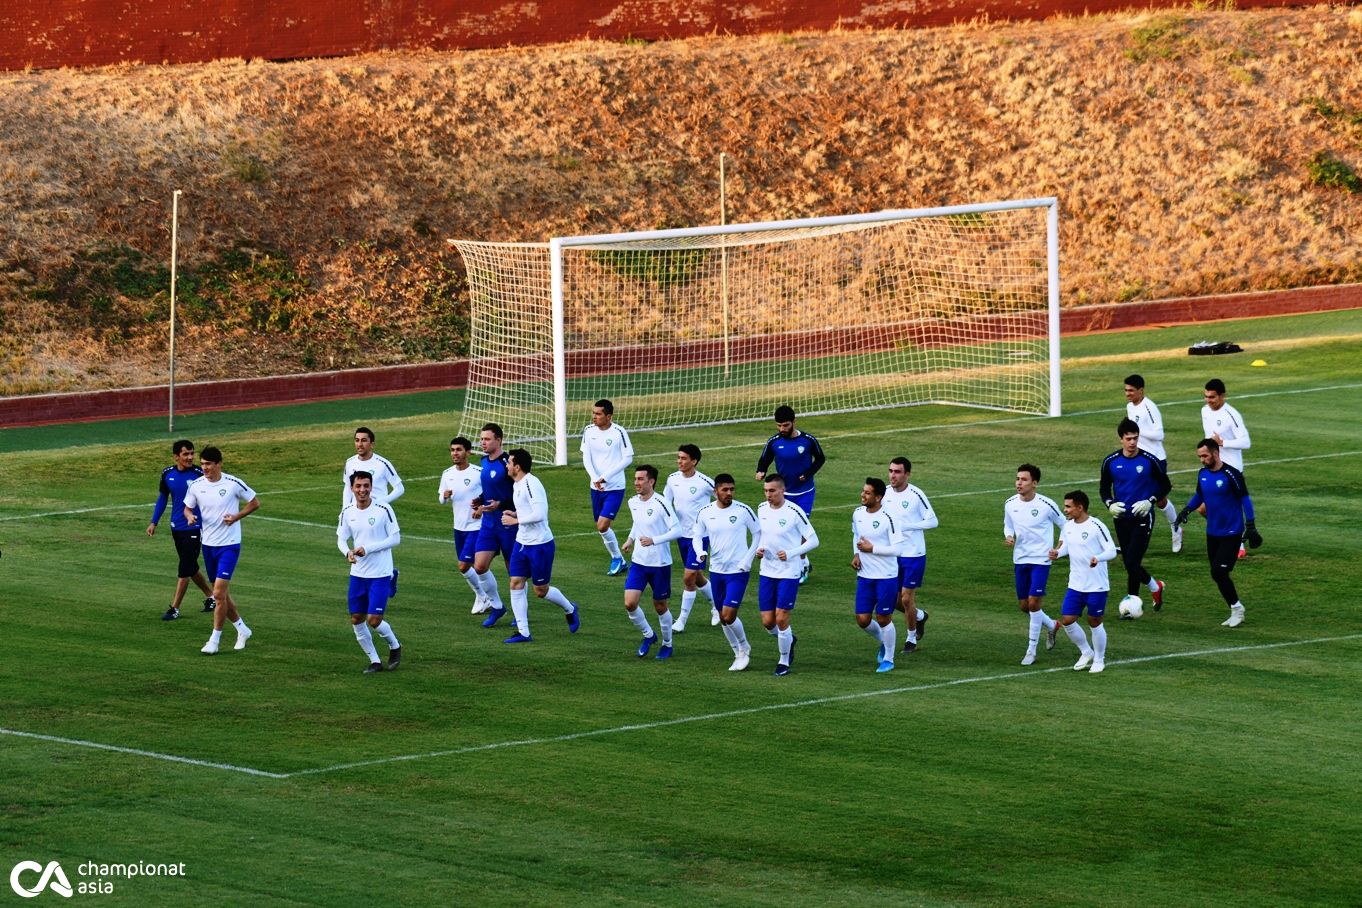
(318, 194)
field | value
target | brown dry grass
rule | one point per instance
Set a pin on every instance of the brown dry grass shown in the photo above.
(1182, 172)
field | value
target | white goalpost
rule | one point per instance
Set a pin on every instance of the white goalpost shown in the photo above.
(698, 326)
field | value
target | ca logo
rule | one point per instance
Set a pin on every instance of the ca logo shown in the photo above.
(52, 877)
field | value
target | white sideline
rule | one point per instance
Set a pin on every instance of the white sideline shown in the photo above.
(664, 723)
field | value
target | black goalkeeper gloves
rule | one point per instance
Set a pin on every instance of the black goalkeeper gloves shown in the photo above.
(1254, 537)
(1181, 518)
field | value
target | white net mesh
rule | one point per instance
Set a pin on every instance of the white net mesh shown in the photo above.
(693, 330)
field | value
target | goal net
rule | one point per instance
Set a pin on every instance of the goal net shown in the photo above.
(708, 325)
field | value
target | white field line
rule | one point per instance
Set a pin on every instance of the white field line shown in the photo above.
(664, 723)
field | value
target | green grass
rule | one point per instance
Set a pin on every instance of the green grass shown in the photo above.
(1217, 778)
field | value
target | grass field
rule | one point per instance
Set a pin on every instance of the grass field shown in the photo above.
(1206, 766)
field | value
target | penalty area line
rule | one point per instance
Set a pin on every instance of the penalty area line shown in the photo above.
(133, 751)
(797, 704)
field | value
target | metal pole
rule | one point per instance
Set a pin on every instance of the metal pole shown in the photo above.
(723, 260)
(174, 254)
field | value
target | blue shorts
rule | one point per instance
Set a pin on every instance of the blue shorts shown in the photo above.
(659, 578)
(876, 595)
(534, 562)
(729, 588)
(803, 499)
(688, 553)
(1031, 579)
(369, 595)
(606, 504)
(1095, 603)
(495, 537)
(777, 593)
(911, 569)
(220, 560)
(466, 544)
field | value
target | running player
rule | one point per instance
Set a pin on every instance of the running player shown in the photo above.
(1132, 482)
(1088, 546)
(875, 544)
(460, 489)
(797, 457)
(912, 515)
(689, 490)
(606, 453)
(1229, 520)
(1029, 523)
(217, 502)
(366, 535)
(785, 537)
(1146, 415)
(532, 558)
(654, 526)
(720, 538)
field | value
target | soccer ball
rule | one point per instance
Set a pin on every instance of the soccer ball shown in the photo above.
(1131, 607)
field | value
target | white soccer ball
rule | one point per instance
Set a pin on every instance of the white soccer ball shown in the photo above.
(1131, 607)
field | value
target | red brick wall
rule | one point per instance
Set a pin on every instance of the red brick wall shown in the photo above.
(51, 33)
(227, 395)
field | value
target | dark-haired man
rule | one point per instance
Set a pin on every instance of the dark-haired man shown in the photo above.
(1132, 484)
(797, 456)
(218, 502)
(1229, 520)
(175, 480)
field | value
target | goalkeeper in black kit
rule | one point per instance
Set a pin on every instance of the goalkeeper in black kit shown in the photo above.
(1229, 520)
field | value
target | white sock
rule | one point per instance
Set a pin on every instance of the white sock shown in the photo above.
(1033, 632)
(707, 592)
(889, 636)
(640, 621)
(1045, 620)
(470, 577)
(783, 640)
(612, 545)
(1153, 584)
(385, 630)
(520, 608)
(731, 636)
(488, 581)
(1099, 642)
(215, 637)
(773, 631)
(556, 596)
(664, 623)
(366, 641)
(241, 627)
(1170, 512)
(687, 603)
(1237, 605)
(873, 630)
(739, 634)
(1079, 638)
(912, 635)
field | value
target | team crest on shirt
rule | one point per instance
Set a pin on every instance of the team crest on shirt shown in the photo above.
(467, 482)
(781, 521)
(650, 512)
(692, 490)
(609, 442)
(733, 519)
(222, 492)
(875, 524)
(1139, 468)
(1085, 536)
(800, 449)
(372, 521)
(1035, 512)
(1219, 483)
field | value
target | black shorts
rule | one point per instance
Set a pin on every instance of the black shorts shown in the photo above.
(187, 546)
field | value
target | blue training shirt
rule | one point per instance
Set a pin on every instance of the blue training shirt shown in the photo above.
(174, 483)
(497, 485)
(1132, 479)
(1227, 501)
(793, 457)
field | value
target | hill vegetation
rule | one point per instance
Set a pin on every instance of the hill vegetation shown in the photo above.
(1193, 151)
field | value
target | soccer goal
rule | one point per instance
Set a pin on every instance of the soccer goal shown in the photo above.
(707, 325)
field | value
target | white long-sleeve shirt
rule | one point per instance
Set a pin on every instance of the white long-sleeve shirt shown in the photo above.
(373, 529)
(688, 494)
(1229, 425)
(912, 514)
(1081, 542)
(784, 529)
(728, 530)
(605, 454)
(466, 484)
(532, 511)
(655, 518)
(1032, 524)
(882, 561)
(1146, 414)
(387, 484)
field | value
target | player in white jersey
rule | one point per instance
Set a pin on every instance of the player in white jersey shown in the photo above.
(689, 490)
(1144, 413)
(222, 501)
(387, 484)
(532, 557)
(461, 490)
(606, 454)
(720, 539)
(1029, 523)
(785, 537)
(912, 515)
(366, 535)
(654, 526)
(875, 544)
(1223, 425)
(1088, 546)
